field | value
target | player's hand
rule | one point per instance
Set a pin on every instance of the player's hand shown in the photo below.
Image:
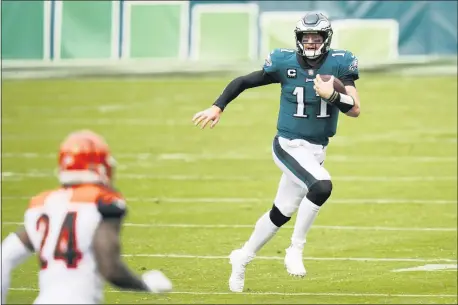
(324, 89)
(212, 114)
(157, 282)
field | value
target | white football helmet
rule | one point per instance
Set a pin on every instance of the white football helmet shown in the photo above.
(313, 23)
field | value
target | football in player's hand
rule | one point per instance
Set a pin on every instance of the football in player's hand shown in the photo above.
(338, 85)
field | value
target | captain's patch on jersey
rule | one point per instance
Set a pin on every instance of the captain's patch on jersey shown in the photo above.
(291, 73)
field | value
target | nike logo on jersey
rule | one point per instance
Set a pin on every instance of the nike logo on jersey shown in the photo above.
(308, 80)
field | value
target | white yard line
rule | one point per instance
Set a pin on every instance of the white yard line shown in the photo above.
(230, 226)
(309, 258)
(245, 200)
(190, 157)
(339, 141)
(17, 176)
(429, 267)
(330, 294)
(340, 158)
(351, 228)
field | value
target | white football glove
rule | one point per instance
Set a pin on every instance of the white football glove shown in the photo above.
(157, 282)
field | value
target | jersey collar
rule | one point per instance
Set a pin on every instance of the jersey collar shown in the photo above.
(311, 64)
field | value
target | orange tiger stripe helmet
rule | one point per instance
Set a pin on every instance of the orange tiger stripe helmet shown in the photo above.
(84, 157)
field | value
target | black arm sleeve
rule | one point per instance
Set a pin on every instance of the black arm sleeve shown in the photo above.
(238, 85)
(348, 80)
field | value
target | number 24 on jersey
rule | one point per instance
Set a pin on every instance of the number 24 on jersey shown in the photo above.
(66, 248)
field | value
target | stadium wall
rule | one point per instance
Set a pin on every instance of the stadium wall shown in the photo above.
(194, 36)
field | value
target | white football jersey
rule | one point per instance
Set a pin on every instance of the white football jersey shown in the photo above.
(61, 224)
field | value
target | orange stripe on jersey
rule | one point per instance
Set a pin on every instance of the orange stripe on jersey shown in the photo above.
(110, 203)
(109, 197)
(39, 200)
(82, 193)
(92, 193)
(85, 193)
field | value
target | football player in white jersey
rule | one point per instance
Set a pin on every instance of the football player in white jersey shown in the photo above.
(75, 229)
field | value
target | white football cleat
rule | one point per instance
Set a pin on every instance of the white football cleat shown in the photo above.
(157, 282)
(293, 262)
(239, 259)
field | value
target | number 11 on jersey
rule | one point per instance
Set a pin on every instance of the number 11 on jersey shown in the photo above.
(299, 92)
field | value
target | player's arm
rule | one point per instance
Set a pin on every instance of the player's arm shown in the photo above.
(107, 249)
(355, 109)
(348, 103)
(349, 73)
(352, 107)
(232, 90)
(240, 84)
(16, 248)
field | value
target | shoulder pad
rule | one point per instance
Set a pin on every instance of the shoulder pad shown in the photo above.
(111, 204)
(274, 59)
(39, 200)
(351, 60)
(347, 62)
(282, 53)
(342, 56)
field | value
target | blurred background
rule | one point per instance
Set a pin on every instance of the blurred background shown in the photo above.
(137, 71)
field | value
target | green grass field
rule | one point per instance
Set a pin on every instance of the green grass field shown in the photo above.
(195, 195)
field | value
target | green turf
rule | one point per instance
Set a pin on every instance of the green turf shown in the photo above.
(181, 182)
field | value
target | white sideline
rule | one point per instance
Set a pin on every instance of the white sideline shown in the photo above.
(242, 200)
(45, 174)
(221, 226)
(331, 294)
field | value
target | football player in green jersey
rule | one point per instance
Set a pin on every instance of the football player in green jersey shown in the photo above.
(309, 109)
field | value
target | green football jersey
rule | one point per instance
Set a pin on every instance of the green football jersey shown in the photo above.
(302, 114)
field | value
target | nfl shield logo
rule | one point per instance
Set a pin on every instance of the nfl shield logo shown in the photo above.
(310, 72)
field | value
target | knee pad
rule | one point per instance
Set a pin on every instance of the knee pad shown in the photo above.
(277, 217)
(319, 192)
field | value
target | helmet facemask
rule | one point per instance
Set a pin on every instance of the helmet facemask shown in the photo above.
(312, 48)
(313, 24)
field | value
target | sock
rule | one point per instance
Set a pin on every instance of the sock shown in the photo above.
(305, 216)
(263, 232)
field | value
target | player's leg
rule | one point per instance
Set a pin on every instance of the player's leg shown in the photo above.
(289, 196)
(287, 200)
(308, 211)
(301, 161)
